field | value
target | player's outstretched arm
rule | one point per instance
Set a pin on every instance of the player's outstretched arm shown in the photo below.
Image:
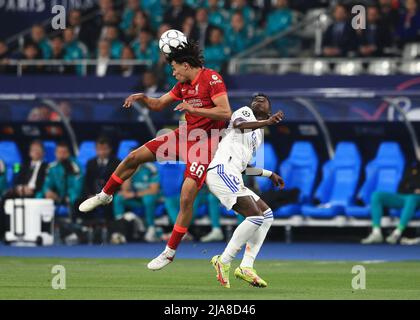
(242, 124)
(221, 111)
(274, 177)
(154, 104)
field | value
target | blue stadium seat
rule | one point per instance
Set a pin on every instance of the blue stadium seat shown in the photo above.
(87, 151)
(171, 176)
(383, 173)
(227, 213)
(49, 147)
(298, 171)
(266, 156)
(125, 148)
(339, 181)
(396, 213)
(10, 154)
(160, 210)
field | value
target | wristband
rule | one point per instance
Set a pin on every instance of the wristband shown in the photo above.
(266, 173)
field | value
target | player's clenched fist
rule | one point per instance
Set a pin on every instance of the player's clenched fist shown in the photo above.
(277, 180)
(134, 97)
(276, 118)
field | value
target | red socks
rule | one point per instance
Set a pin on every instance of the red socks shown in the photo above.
(112, 185)
(177, 233)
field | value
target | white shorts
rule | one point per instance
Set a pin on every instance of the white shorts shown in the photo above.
(227, 185)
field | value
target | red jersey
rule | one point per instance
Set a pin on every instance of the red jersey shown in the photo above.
(200, 93)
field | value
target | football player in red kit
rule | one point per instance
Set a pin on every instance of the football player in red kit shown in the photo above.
(206, 106)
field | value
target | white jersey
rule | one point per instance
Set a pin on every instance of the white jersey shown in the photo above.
(237, 148)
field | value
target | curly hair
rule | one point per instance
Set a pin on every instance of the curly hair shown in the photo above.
(189, 53)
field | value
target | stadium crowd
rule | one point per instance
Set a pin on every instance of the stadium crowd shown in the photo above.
(131, 29)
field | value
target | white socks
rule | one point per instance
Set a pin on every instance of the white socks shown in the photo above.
(169, 252)
(377, 231)
(254, 244)
(104, 196)
(241, 235)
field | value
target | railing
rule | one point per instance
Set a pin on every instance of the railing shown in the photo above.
(82, 63)
(321, 66)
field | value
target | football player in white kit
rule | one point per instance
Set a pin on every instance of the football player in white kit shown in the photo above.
(224, 179)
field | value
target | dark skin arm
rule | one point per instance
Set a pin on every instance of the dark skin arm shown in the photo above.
(242, 124)
(275, 178)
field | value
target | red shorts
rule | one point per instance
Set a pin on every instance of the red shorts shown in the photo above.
(197, 152)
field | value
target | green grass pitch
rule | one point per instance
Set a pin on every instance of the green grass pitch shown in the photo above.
(30, 278)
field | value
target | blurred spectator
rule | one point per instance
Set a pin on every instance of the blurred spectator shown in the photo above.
(280, 19)
(140, 191)
(408, 28)
(3, 188)
(238, 35)
(216, 54)
(153, 9)
(73, 50)
(98, 171)
(246, 10)
(389, 14)
(375, 37)
(96, 27)
(38, 38)
(188, 27)
(57, 53)
(31, 52)
(127, 70)
(63, 181)
(213, 204)
(3, 179)
(164, 69)
(407, 199)
(216, 13)
(201, 27)
(112, 36)
(39, 113)
(140, 22)
(146, 48)
(176, 13)
(31, 176)
(340, 38)
(149, 83)
(102, 67)
(4, 58)
(65, 108)
(83, 32)
(131, 9)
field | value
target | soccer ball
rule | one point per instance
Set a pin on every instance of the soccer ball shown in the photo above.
(171, 39)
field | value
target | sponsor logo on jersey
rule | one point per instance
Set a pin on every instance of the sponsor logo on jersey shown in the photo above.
(215, 80)
(196, 103)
